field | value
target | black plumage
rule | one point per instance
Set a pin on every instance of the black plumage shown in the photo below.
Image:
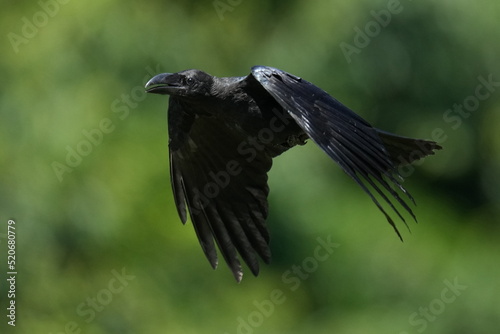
(224, 133)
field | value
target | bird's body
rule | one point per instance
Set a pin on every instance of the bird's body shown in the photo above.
(243, 106)
(224, 133)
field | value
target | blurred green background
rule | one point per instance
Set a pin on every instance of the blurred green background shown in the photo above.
(100, 248)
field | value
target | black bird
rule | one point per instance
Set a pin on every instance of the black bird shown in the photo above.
(224, 132)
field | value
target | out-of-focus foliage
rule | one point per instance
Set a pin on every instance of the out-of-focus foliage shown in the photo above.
(72, 77)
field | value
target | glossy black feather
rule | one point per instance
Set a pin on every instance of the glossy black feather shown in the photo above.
(231, 211)
(224, 133)
(348, 139)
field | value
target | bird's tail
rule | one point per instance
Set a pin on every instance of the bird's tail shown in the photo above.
(404, 150)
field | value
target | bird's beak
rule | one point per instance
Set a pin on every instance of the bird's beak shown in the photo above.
(165, 83)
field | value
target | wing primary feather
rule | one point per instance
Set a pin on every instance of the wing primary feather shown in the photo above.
(258, 237)
(200, 223)
(364, 171)
(223, 240)
(352, 168)
(178, 189)
(204, 234)
(369, 167)
(353, 175)
(235, 225)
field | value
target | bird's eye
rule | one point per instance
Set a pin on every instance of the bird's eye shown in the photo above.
(189, 81)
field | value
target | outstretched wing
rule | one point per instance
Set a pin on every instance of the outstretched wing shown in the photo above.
(347, 138)
(225, 191)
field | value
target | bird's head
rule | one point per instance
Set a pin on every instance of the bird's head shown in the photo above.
(189, 84)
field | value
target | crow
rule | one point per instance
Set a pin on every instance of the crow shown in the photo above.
(224, 133)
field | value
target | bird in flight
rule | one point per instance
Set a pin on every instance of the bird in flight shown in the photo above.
(224, 133)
